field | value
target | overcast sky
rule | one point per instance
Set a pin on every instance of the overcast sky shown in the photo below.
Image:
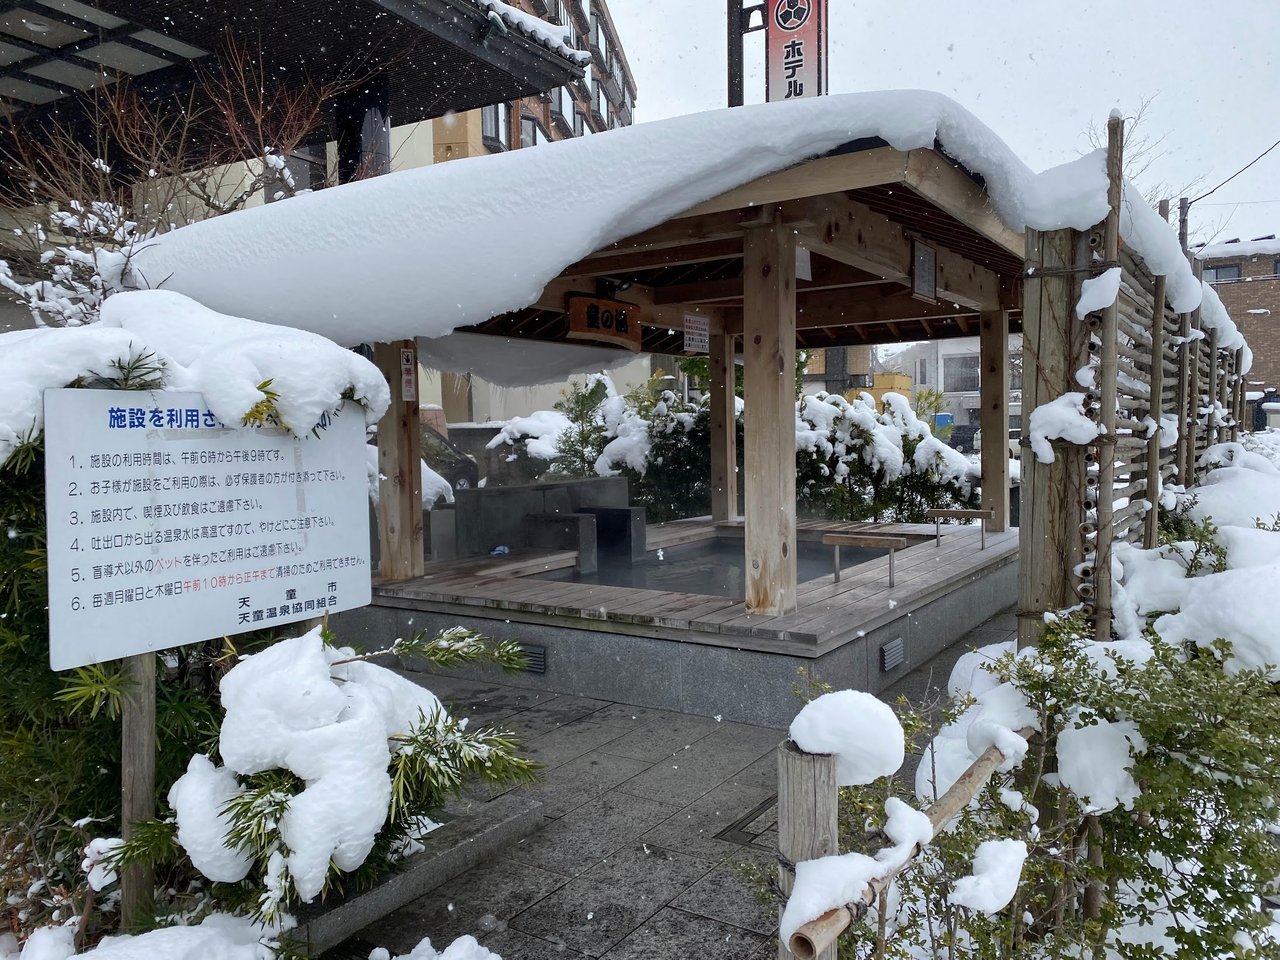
(1038, 73)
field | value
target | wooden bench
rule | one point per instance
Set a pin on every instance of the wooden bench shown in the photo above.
(939, 515)
(864, 541)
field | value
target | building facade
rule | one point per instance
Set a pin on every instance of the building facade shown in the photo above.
(1246, 276)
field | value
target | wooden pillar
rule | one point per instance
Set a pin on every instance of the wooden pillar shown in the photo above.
(1155, 409)
(400, 531)
(808, 817)
(1238, 399)
(138, 782)
(724, 429)
(1108, 367)
(1212, 430)
(1054, 347)
(994, 386)
(769, 346)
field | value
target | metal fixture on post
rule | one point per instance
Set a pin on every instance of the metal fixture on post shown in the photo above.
(738, 20)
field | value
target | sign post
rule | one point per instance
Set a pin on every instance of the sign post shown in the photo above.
(795, 49)
(166, 528)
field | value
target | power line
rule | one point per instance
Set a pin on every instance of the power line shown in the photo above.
(1238, 172)
(1238, 203)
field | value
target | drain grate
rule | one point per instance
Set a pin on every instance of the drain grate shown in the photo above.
(760, 821)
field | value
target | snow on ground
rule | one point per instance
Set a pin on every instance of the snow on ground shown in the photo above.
(432, 235)
(862, 731)
(227, 359)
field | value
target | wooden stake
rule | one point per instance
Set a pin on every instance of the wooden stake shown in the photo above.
(724, 429)
(1155, 408)
(400, 528)
(994, 386)
(808, 818)
(1107, 391)
(137, 781)
(769, 345)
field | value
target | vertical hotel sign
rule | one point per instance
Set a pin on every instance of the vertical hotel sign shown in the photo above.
(795, 49)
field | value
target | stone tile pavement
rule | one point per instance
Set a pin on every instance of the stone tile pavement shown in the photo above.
(652, 821)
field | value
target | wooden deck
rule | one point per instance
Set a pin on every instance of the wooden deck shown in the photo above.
(829, 613)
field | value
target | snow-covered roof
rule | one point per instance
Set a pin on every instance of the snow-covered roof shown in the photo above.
(1237, 248)
(422, 252)
(550, 35)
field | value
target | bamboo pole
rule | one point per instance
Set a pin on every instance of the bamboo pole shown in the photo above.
(1107, 389)
(1211, 388)
(819, 934)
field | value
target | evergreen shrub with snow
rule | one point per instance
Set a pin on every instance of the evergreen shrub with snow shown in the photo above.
(853, 462)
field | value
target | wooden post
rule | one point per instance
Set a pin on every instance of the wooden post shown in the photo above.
(1238, 405)
(724, 428)
(1107, 392)
(400, 532)
(994, 386)
(1053, 349)
(769, 345)
(1193, 392)
(1155, 408)
(1212, 430)
(137, 781)
(808, 817)
(1182, 403)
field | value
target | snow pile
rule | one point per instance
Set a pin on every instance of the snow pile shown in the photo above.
(1095, 762)
(293, 707)
(997, 867)
(96, 862)
(861, 731)
(218, 937)
(539, 433)
(1098, 293)
(227, 359)
(554, 37)
(1062, 418)
(434, 487)
(1247, 248)
(830, 882)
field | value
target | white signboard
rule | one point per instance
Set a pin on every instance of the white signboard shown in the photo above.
(697, 334)
(166, 528)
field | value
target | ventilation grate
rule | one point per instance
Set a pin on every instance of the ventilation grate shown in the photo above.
(535, 657)
(893, 654)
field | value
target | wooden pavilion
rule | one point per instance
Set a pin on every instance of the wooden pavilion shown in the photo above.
(901, 246)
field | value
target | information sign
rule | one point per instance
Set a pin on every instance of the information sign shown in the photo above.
(697, 333)
(166, 528)
(603, 320)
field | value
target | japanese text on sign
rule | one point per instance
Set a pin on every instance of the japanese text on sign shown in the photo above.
(158, 515)
(608, 321)
(795, 49)
(697, 333)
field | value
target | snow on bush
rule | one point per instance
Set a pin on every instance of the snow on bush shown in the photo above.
(1095, 762)
(238, 365)
(997, 866)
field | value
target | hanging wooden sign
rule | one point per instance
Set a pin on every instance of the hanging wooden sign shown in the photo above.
(603, 320)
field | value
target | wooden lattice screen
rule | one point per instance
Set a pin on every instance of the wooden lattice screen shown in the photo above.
(1146, 373)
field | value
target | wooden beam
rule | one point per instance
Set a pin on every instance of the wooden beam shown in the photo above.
(834, 308)
(724, 429)
(853, 233)
(649, 259)
(949, 188)
(400, 530)
(993, 349)
(849, 171)
(769, 347)
(827, 275)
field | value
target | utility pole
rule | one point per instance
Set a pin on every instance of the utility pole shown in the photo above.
(738, 20)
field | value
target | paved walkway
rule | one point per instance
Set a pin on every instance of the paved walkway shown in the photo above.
(653, 820)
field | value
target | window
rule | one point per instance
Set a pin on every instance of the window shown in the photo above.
(555, 11)
(532, 133)
(1277, 268)
(1015, 422)
(1222, 274)
(306, 169)
(562, 106)
(1015, 371)
(922, 372)
(495, 126)
(960, 374)
(816, 362)
(579, 125)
